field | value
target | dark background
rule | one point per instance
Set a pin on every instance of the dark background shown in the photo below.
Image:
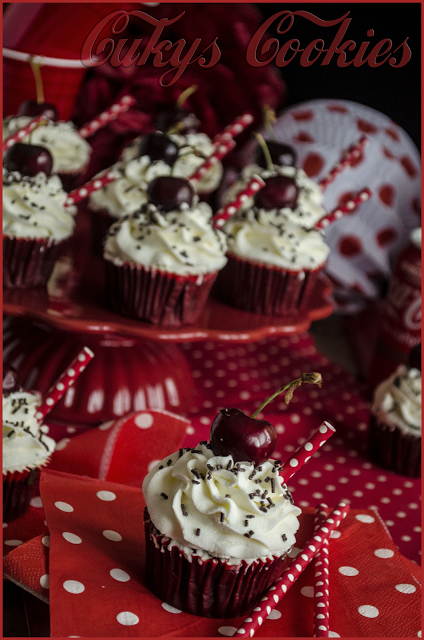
(395, 92)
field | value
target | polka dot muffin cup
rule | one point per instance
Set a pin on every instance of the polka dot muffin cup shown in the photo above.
(155, 296)
(18, 489)
(264, 289)
(394, 449)
(211, 588)
(29, 262)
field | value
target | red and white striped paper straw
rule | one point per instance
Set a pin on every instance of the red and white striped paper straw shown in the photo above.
(306, 450)
(221, 150)
(65, 381)
(93, 185)
(289, 577)
(21, 133)
(106, 116)
(348, 157)
(234, 129)
(254, 185)
(321, 591)
(347, 207)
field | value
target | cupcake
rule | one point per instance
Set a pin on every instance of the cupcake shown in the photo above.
(26, 449)
(70, 152)
(395, 422)
(162, 260)
(217, 531)
(36, 225)
(273, 262)
(307, 208)
(147, 157)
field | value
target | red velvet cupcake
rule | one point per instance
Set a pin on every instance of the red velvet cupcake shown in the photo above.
(163, 259)
(214, 543)
(36, 228)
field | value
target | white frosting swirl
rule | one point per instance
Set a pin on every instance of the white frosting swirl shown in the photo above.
(34, 207)
(69, 150)
(194, 148)
(308, 209)
(25, 446)
(270, 237)
(128, 192)
(182, 242)
(201, 502)
(397, 400)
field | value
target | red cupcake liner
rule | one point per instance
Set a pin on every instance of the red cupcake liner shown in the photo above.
(394, 449)
(211, 588)
(264, 289)
(29, 262)
(18, 489)
(157, 296)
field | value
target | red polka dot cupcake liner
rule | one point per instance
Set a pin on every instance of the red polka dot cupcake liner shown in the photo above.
(211, 588)
(155, 296)
(265, 289)
(29, 262)
(393, 449)
(18, 489)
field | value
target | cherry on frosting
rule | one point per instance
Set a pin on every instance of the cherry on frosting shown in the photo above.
(279, 192)
(10, 380)
(281, 154)
(158, 146)
(28, 159)
(245, 439)
(168, 193)
(33, 108)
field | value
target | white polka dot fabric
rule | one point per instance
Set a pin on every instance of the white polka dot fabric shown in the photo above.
(95, 582)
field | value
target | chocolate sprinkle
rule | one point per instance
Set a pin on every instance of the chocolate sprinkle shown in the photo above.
(164, 496)
(284, 537)
(221, 517)
(183, 509)
(197, 532)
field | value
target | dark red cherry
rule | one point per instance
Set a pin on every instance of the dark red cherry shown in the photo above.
(246, 439)
(10, 380)
(415, 357)
(278, 192)
(186, 120)
(281, 154)
(33, 108)
(169, 192)
(158, 146)
(28, 159)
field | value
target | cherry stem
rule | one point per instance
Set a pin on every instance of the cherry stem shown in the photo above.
(183, 97)
(269, 119)
(312, 378)
(259, 137)
(35, 66)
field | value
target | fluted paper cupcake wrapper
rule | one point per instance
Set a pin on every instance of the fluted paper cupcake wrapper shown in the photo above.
(265, 289)
(395, 449)
(29, 262)
(156, 296)
(18, 489)
(211, 588)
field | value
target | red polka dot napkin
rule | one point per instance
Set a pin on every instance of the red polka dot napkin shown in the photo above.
(96, 574)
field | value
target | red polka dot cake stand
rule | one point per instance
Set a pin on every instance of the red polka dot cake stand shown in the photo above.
(137, 365)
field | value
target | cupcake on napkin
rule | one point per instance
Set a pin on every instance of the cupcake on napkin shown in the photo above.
(217, 531)
(26, 449)
(163, 259)
(395, 424)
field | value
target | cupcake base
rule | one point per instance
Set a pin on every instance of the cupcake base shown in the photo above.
(29, 262)
(395, 450)
(263, 288)
(157, 296)
(210, 588)
(18, 489)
